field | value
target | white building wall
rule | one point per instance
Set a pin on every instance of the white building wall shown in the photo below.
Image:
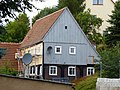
(102, 11)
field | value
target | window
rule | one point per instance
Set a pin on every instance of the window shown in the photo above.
(32, 70)
(97, 2)
(90, 71)
(58, 50)
(52, 70)
(71, 71)
(65, 27)
(72, 50)
(39, 70)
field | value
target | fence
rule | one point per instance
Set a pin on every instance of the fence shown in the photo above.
(107, 84)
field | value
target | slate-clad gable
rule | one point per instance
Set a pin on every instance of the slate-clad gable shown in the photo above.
(72, 36)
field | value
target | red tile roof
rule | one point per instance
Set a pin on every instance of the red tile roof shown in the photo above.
(11, 49)
(40, 28)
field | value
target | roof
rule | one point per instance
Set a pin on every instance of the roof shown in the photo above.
(40, 28)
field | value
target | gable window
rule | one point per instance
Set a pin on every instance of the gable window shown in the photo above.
(72, 50)
(71, 71)
(97, 2)
(90, 71)
(58, 49)
(52, 70)
(65, 27)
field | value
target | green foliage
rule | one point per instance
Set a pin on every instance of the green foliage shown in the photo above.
(2, 32)
(114, 30)
(43, 13)
(90, 25)
(87, 83)
(111, 61)
(17, 29)
(75, 6)
(9, 7)
(6, 69)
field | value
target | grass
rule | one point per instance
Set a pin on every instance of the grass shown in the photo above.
(86, 83)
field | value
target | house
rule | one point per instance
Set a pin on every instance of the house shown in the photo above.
(7, 54)
(59, 48)
(101, 9)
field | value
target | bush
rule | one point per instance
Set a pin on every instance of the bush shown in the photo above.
(87, 83)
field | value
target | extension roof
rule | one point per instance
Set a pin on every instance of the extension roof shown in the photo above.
(40, 28)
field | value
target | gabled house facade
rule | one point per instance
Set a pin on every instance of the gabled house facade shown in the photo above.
(101, 9)
(59, 47)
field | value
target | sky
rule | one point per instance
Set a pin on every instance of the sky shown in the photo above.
(114, 0)
(41, 5)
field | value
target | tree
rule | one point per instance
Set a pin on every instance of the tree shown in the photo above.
(43, 13)
(111, 62)
(9, 7)
(17, 29)
(89, 23)
(113, 34)
(75, 6)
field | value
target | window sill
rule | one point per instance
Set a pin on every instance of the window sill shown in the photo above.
(52, 74)
(97, 4)
(72, 75)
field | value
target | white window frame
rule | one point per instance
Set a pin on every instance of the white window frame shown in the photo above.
(36, 69)
(50, 67)
(90, 68)
(70, 50)
(40, 70)
(71, 67)
(31, 70)
(56, 49)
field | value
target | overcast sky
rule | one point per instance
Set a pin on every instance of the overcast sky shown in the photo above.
(41, 5)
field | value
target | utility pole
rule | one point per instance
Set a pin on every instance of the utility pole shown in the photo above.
(100, 69)
(119, 69)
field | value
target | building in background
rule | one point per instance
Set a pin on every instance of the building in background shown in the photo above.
(101, 9)
(7, 54)
(59, 48)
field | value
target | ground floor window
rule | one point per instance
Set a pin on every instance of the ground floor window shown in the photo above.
(36, 70)
(71, 71)
(52, 70)
(32, 69)
(90, 71)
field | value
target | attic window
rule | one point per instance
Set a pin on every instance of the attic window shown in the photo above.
(97, 2)
(65, 27)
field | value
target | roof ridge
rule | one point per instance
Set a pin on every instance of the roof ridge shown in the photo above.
(51, 14)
